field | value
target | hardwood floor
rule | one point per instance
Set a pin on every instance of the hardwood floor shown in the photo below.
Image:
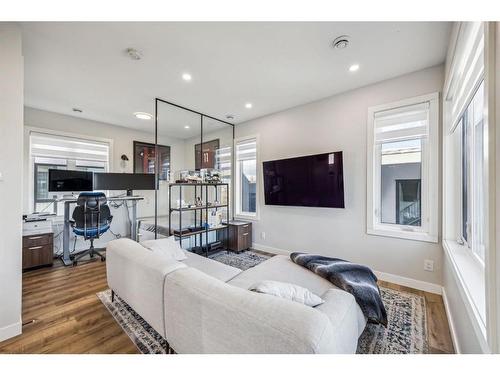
(62, 314)
(438, 331)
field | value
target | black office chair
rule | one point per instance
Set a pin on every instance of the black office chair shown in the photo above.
(91, 218)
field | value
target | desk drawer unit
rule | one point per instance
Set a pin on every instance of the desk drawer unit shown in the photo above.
(38, 250)
(240, 236)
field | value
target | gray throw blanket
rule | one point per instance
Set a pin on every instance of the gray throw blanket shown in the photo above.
(356, 279)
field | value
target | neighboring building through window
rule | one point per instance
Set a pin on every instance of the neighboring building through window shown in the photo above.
(402, 169)
(246, 177)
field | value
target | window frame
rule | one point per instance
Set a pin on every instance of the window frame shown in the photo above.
(237, 184)
(428, 231)
(468, 189)
(28, 130)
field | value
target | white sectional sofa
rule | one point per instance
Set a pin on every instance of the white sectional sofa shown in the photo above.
(202, 306)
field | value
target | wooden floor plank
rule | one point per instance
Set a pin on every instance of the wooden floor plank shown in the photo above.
(69, 318)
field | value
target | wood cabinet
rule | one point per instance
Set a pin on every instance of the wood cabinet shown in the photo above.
(240, 236)
(38, 250)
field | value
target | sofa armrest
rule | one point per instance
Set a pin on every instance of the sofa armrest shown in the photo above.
(206, 315)
(137, 276)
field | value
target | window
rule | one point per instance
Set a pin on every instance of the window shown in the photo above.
(246, 177)
(471, 127)
(50, 151)
(402, 169)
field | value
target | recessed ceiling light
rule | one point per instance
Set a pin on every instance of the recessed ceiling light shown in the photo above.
(354, 67)
(341, 42)
(248, 105)
(143, 115)
(186, 127)
(186, 77)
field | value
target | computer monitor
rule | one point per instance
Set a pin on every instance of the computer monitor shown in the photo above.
(124, 181)
(61, 180)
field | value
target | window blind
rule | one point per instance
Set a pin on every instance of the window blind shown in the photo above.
(402, 123)
(466, 71)
(55, 146)
(246, 150)
(223, 158)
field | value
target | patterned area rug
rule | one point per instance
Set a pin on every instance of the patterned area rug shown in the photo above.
(406, 332)
(243, 261)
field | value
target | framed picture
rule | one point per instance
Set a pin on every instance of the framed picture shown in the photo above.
(145, 158)
(205, 159)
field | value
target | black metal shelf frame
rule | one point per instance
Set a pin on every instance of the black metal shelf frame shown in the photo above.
(204, 188)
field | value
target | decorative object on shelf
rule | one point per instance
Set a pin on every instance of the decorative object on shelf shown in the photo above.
(124, 163)
(181, 203)
(199, 202)
(145, 159)
(214, 219)
(206, 158)
(212, 176)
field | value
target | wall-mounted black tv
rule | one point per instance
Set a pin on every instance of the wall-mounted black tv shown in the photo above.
(310, 181)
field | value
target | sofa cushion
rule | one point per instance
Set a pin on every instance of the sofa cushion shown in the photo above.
(166, 247)
(211, 267)
(288, 291)
(281, 268)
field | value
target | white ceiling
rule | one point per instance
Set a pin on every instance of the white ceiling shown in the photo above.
(273, 65)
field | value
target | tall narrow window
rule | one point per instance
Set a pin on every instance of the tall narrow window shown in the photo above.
(402, 169)
(473, 174)
(246, 177)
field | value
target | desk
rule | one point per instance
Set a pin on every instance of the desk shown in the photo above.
(67, 225)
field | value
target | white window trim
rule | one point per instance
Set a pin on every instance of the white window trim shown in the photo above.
(430, 168)
(256, 216)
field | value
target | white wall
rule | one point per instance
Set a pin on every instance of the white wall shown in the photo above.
(11, 134)
(338, 123)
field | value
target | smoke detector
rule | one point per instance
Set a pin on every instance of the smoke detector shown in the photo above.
(133, 53)
(341, 42)
(230, 117)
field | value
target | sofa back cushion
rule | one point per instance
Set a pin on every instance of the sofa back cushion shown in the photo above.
(166, 247)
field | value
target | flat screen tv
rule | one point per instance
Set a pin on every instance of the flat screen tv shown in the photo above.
(61, 180)
(309, 181)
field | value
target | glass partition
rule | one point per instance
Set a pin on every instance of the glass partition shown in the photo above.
(195, 199)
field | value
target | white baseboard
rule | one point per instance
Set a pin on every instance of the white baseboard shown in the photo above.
(410, 283)
(401, 280)
(269, 249)
(453, 331)
(10, 331)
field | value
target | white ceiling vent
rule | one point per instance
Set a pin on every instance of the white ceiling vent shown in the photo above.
(341, 42)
